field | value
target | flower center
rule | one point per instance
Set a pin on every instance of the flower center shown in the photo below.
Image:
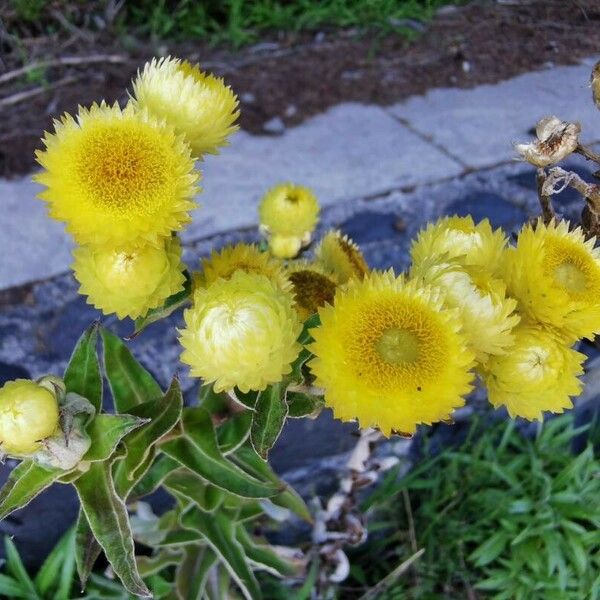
(568, 275)
(398, 346)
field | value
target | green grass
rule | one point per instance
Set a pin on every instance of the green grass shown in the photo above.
(501, 517)
(233, 22)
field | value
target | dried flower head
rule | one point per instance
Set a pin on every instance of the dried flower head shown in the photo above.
(540, 373)
(389, 355)
(131, 279)
(242, 332)
(340, 256)
(556, 139)
(487, 315)
(554, 273)
(198, 105)
(459, 239)
(242, 257)
(114, 176)
(28, 414)
(312, 287)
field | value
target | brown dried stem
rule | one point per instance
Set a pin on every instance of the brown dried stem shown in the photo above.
(545, 201)
(588, 153)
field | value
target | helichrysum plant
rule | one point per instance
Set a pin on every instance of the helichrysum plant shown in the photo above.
(272, 335)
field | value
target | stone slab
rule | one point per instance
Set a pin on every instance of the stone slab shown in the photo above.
(479, 126)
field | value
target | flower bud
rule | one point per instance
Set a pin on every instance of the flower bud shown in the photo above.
(283, 246)
(28, 414)
(556, 139)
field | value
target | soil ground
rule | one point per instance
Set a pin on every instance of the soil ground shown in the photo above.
(295, 76)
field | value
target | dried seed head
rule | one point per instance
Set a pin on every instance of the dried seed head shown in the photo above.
(556, 139)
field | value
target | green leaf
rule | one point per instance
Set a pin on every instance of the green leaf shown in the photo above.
(304, 338)
(187, 484)
(162, 415)
(108, 519)
(87, 548)
(151, 565)
(213, 402)
(219, 532)
(181, 537)
(269, 417)
(14, 565)
(263, 555)
(10, 588)
(172, 303)
(190, 578)
(152, 479)
(303, 405)
(58, 568)
(246, 458)
(234, 432)
(82, 375)
(129, 382)
(490, 549)
(205, 460)
(106, 431)
(25, 482)
(247, 399)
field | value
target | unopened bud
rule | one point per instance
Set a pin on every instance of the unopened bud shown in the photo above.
(283, 246)
(28, 414)
(556, 139)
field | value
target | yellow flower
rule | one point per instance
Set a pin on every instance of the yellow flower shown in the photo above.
(555, 275)
(242, 257)
(312, 288)
(486, 313)
(199, 105)
(339, 255)
(290, 211)
(28, 414)
(285, 246)
(538, 374)
(388, 354)
(129, 280)
(114, 176)
(242, 332)
(460, 239)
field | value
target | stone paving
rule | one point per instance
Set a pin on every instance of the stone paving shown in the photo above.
(381, 173)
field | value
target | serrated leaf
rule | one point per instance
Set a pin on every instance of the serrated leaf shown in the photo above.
(263, 555)
(304, 338)
(106, 431)
(172, 303)
(190, 578)
(108, 519)
(82, 375)
(246, 458)
(268, 419)
(25, 482)
(234, 432)
(163, 414)
(130, 383)
(302, 405)
(219, 532)
(187, 484)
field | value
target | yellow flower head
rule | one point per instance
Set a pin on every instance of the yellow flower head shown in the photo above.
(554, 273)
(131, 279)
(388, 354)
(285, 246)
(290, 211)
(460, 239)
(339, 255)
(114, 176)
(199, 105)
(312, 288)
(242, 257)
(242, 332)
(486, 313)
(538, 374)
(28, 414)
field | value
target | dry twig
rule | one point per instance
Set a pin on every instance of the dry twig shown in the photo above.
(27, 94)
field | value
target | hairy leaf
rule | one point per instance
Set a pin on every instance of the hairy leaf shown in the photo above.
(268, 420)
(106, 431)
(263, 555)
(153, 478)
(191, 575)
(87, 548)
(234, 432)
(303, 405)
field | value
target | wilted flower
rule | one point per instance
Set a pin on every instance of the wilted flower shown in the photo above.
(241, 332)
(460, 239)
(28, 415)
(312, 288)
(554, 273)
(487, 315)
(556, 139)
(129, 279)
(540, 373)
(389, 355)
(199, 105)
(339, 255)
(113, 176)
